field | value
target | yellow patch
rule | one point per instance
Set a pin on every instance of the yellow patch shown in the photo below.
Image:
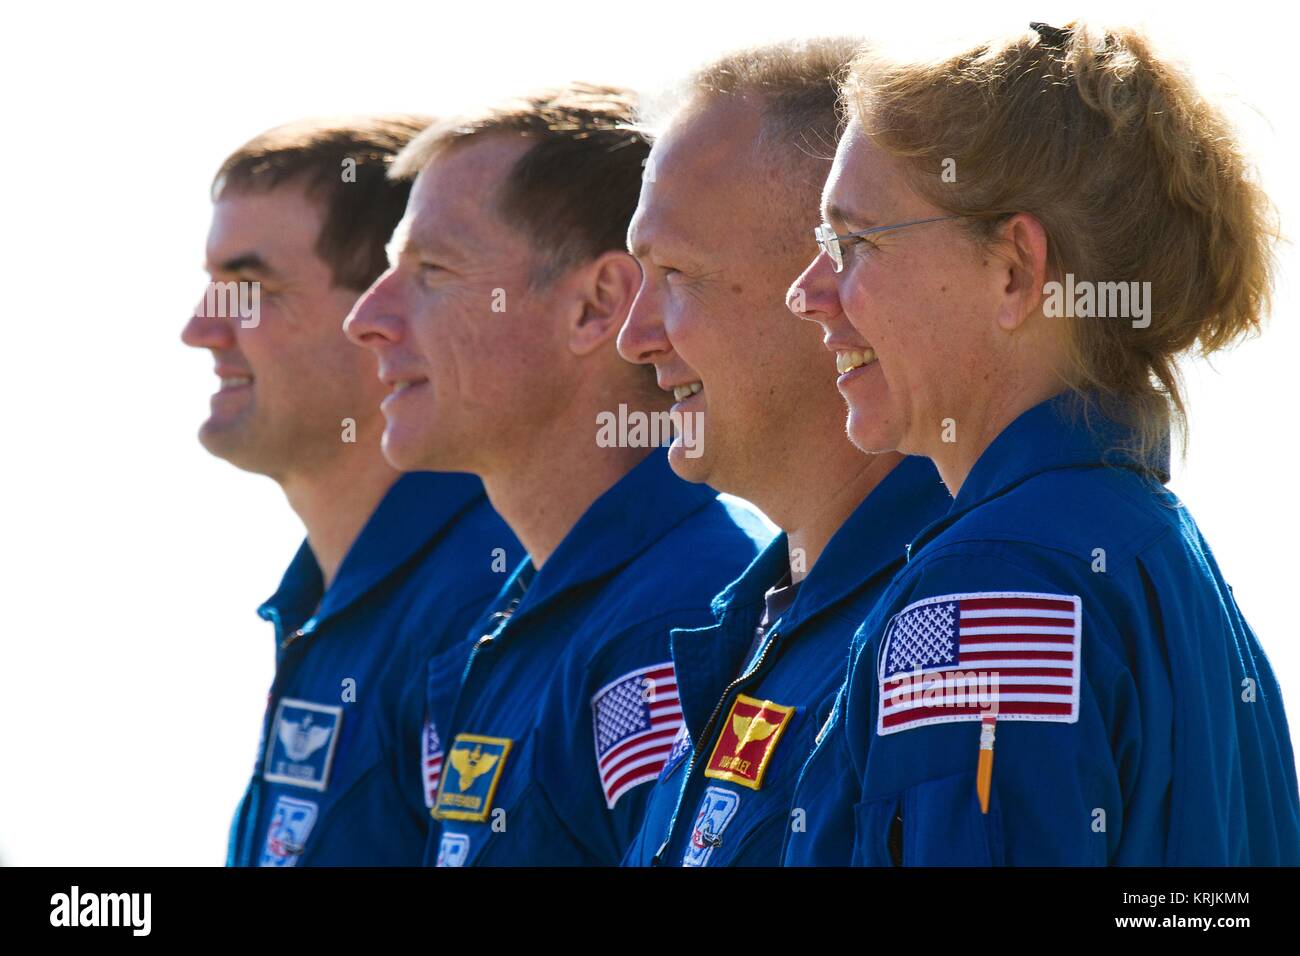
(470, 777)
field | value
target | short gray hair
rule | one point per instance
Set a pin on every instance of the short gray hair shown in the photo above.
(796, 81)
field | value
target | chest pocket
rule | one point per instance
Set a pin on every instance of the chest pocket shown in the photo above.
(936, 823)
(762, 843)
(519, 827)
(319, 761)
(319, 750)
(755, 836)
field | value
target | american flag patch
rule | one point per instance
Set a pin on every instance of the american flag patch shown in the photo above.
(431, 747)
(635, 718)
(1013, 655)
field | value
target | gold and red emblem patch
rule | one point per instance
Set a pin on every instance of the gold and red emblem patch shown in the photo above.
(747, 741)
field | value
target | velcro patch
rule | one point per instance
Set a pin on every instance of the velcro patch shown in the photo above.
(302, 748)
(635, 719)
(747, 740)
(470, 783)
(717, 808)
(1013, 655)
(453, 849)
(286, 835)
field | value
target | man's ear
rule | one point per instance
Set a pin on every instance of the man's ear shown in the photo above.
(606, 288)
(1023, 247)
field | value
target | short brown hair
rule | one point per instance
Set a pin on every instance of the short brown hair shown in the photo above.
(797, 83)
(1134, 176)
(574, 191)
(359, 215)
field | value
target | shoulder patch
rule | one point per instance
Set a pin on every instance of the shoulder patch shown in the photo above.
(467, 789)
(747, 741)
(635, 719)
(1013, 655)
(302, 747)
(286, 835)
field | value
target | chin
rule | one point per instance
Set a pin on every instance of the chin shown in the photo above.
(695, 470)
(225, 440)
(408, 450)
(241, 454)
(871, 435)
(403, 453)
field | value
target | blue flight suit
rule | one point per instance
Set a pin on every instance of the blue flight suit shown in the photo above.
(566, 701)
(325, 788)
(727, 802)
(1136, 719)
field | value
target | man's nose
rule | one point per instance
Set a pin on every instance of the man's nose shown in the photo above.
(374, 317)
(205, 331)
(642, 336)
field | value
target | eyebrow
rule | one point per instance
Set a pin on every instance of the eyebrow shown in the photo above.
(648, 241)
(423, 241)
(646, 226)
(249, 262)
(830, 211)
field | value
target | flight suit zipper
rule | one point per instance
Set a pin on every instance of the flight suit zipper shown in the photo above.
(484, 642)
(704, 737)
(296, 635)
(243, 855)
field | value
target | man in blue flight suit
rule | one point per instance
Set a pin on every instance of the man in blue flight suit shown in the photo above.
(757, 683)
(393, 568)
(497, 328)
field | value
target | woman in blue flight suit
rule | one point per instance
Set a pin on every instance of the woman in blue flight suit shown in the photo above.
(1029, 235)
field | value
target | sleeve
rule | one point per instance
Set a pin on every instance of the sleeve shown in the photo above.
(620, 712)
(1017, 643)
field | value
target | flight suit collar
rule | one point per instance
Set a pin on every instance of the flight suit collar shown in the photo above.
(707, 659)
(1067, 431)
(641, 508)
(874, 535)
(417, 507)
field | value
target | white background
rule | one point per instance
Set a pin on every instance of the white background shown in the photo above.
(133, 669)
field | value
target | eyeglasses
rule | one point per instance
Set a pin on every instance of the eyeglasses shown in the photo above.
(829, 242)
